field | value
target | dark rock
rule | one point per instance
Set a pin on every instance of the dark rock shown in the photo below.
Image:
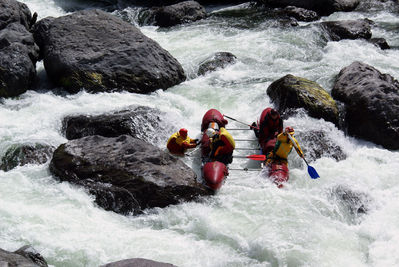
(140, 122)
(22, 154)
(380, 42)
(154, 3)
(218, 60)
(137, 262)
(168, 16)
(137, 173)
(97, 51)
(323, 7)
(26, 256)
(296, 92)
(348, 29)
(299, 14)
(315, 145)
(18, 52)
(14, 12)
(372, 104)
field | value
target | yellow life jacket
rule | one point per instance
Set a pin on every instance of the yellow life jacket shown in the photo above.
(227, 135)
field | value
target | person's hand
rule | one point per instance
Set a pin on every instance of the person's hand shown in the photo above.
(197, 141)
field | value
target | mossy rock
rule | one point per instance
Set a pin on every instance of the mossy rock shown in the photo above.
(295, 92)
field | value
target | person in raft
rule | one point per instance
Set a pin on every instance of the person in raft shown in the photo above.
(222, 145)
(284, 146)
(179, 142)
(269, 127)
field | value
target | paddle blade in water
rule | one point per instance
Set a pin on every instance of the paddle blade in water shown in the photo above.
(312, 172)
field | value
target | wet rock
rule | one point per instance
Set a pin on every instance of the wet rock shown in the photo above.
(172, 15)
(300, 14)
(348, 29)
(371, 102)
(14, 12)
(296, 92)
(140, 122)
(26, 256)
(218, 60)
(97, 51)
(22, 154)
(138, 174)
(356, 203)
(316, 144)
(323, 7)
(380, 42)
(137, 262)
(154, 3)
(18, 52)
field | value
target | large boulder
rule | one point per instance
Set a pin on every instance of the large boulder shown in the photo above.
(153, 3)
(172, 15)
(140, 122)
(298, 13)
(371, 103)
(291, 92)
(125, 174)
(18, 51)
(348, 29)
(22, 154)
(13, 11)
(97, 51)
(323, 7)
(26, 256)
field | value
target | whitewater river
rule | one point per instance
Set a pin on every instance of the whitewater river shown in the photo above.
(250, 222)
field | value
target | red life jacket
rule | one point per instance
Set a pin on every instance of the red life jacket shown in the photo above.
(269, 128)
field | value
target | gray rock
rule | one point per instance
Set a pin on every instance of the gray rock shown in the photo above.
(26, 256)
(348, 29)
(13, 11)
(97, 51)
(323, 7)
(172, 15)
(295, 92)
(372, 104)
(380, 42)
(217, 61)
(140, 122)
(298, 13)
(138, 174)
(22, 154)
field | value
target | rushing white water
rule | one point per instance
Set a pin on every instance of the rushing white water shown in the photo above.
(249, 222)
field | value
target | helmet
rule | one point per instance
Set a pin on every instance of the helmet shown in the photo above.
(289, 130)
(183, 132)
(213, 125)
(210, 132)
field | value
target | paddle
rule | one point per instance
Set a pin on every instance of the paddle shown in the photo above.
(253, 157)
(312, 172)
(241, 122)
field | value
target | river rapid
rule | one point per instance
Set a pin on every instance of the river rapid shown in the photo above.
(250, 222)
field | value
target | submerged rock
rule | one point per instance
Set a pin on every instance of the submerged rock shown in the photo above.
(137, 262)
(353, 202)
(97, 51)
(218, 60)
(296, 92)
(371, 104)
(22, 154)
(316, 144)
(126, 174)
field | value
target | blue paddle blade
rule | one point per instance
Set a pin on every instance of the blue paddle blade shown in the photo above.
(312, 172)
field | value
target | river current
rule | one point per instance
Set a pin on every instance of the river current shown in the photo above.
(250, 222)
